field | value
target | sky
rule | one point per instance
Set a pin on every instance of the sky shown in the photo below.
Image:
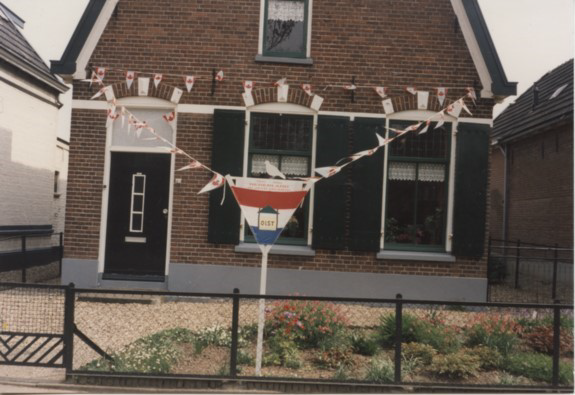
(532, 37)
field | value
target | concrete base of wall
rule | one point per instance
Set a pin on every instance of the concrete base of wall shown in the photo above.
(223, 279)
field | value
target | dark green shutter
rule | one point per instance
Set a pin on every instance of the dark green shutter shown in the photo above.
(330, 194)
(367, 183)
(227, 158)
(471, 167)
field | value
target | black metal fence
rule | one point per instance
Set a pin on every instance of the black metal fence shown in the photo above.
(24, 252)
(170, 335)
(527, 272)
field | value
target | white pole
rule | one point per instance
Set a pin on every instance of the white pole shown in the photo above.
(262, 310)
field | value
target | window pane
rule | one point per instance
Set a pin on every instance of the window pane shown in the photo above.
(139, 183)
(295, 166)
(430, 213)
(285, 27)
(433, 144)
(285, 132)
(137, 225)
(138, 203)
(259, 163)
(400, 211)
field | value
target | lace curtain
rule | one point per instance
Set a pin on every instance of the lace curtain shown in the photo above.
(286, 10)
(290, 165)
(405, 171)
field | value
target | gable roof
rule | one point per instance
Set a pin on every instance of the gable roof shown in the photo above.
(553, 106)
(495, 84)
(17, 51)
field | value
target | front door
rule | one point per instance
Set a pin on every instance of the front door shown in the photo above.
(138, 203)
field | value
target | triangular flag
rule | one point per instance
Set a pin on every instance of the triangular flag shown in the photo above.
(350, 87)
(411, 89)
(216, 182)
(157, 79)
(100, 93)
(328, 171)
(220, 75)
(112, 116)
(280, 82)
(441, 94)
(316, 102)
(194, 164)
(189, 80)
(98, 75)
(441, 120)
(462, 101)
(382, 141)
(424, 130)
(454, 109)
(248, 86)
(307, 89)
(381, 91)
(170, 118)
(130, 75)
(471, 94)
(388, 106)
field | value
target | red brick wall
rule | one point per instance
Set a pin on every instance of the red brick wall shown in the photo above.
(541, 188)
(497, 169)
(380, 42)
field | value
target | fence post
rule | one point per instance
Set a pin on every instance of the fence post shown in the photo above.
(556, 343)
(398, 337)
(517, 255)
(235, 326)
(69, 328)
(24, 258)
(554, 286)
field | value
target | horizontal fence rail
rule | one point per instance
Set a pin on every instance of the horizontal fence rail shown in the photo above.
(345, 341)
(22, 252)
(520, 271)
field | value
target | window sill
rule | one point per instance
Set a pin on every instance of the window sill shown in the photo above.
(280, 59)
(277, 249)
(416, 256)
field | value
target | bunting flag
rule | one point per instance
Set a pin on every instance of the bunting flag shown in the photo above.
(248, 86)
(267, 204)
(388, 106)
(307, 89)
(216, 182)
(157, 79)
(170, 118)
(194, 164)
(441, 120)
(316, 102)
(441, 94)
(454, 109)
(98, 75)
(280, 82)
(100, 93)
(112, 116)
(220, 75)
(328, 171)
(176, 95)
(426, 127)
(471, 94)
(189, 80)
(350, 87)
(130, 75)
(411, 89)
(381, 91)
(143, 86)
(462, 102)
(107, 91)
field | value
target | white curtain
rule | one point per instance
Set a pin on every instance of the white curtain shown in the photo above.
(405, 171)
(286, 10)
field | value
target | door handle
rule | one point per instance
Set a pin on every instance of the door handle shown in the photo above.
(165, 211)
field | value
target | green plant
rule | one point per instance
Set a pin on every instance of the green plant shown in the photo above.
(335, 351)
(307, 322)
(341, 374)
(455, 365)
(424, 353)
(538, 367)
(244, 359)
(381, 370)
(363, 344)
(495, 331)
(282, 351)
(488, 357)
(386, 329)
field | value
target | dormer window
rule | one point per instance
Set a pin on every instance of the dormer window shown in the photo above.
(285, 29)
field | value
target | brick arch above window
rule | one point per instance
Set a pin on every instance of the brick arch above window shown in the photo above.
(408, 102)
(296, 95)
(163, 91)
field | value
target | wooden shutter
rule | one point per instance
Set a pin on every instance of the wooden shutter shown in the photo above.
(227, 158)
(367, 183)
(470, 198)
(330, 194)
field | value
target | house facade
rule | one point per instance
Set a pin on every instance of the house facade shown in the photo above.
(532, 164)
(30, 152)
(409, 219)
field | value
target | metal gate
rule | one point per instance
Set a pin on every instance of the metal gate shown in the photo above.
(32, 325)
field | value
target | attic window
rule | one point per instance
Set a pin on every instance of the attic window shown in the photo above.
(558, 92)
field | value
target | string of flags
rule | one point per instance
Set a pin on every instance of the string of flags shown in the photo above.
(130, 121)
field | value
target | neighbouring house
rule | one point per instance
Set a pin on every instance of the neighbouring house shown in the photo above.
(410, 219)
(532, 164)
(32, 158)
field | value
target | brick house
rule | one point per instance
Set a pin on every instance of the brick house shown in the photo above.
(409, 219)
(33, 159)
(532, 164)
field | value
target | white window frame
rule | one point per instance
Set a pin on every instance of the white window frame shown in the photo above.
(143, 195)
